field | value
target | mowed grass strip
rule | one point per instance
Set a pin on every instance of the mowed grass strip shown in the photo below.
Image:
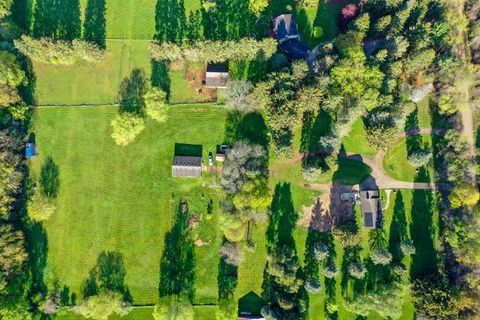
(86, 83)
(119, 199)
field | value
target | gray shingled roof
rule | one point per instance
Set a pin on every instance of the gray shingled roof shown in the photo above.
(371, 207)
(187, 167)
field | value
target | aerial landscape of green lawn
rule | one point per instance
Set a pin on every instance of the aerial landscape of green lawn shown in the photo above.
(202, 159)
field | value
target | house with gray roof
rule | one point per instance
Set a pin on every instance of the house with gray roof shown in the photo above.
(371, 208)
(187, 167)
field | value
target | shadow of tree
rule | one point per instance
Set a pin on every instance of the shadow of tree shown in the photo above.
(37, 246)
(314, 126)
(108, 275)
(59, 19)
(22, 13)
(350, 255)
(131, 93)
(50, 178)
(160, 77)
(253, 128)
(94, 25)
(398, 228)
(422, 231)
(177, 265)
(227, 279)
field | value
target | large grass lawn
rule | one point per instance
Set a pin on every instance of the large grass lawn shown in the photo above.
(122, 199)
(98, 83)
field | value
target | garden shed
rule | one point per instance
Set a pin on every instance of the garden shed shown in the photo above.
(371, 208)
(187, 166)
(216, 76)
(286, 32)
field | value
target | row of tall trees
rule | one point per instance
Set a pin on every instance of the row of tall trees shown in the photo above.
(15, 278)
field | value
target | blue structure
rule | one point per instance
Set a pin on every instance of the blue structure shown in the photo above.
(286, 31)
(30, 150)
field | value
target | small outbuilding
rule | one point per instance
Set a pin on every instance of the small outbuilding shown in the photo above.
(30, 150)
(217, 76)
(187, 167)
(371, 208)
(288, 37)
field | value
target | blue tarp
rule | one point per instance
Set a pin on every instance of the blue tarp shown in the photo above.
(30, 150)
(295, 49)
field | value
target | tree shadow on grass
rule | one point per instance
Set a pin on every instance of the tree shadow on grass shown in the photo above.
(189, 150)
(59, 19)
(50, 178)
(253, 128)
(228, 20)
(227, 279)
(94, 24)
(177, 265)
(350, 255)
(314, 127)
(283, 218)
(398, 228)
(37, 246)
(22, 13)
(422, 231)
(108, 275)
(160, 77)
(131, 93)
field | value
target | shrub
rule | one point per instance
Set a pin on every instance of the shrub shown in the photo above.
(239, 96)
(419, 158)
(381, 256)
(102, 306)
(357, 270)
(48, 50)
(257, 6)
(227, 310)
(407, 247)
(40, 208)
(320, 251)
(317, 32)
(311, 173)
(11, 73)
(449, 103)
(330, 271)
(313, 285)
(8, 95)
(173, 307)
(463, 195)
(231, 253)
(156, 104)
(126, 128)
(49, 178)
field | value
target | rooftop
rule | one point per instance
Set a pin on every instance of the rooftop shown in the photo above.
(217, 76)
(187, 166)
(371, 207)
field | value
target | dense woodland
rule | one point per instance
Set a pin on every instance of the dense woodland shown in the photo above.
(389, 55)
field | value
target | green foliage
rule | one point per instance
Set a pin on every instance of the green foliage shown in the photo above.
(317, 32)
(156, 104)
(10, 174)
(8, 95)
(102, 306)
(227, 310)
(313, 285)
(407, 247)
(12, 251)
(245, 49)
(419, 158)
(381, 136)
(239, 96)
(463, 195)
(257, 6)
(320, 251)
(47, 50)
(381, 256)
(131, 95)
(449, 103)
(330, 270)
(357, 270)
(15, 313)
(254, 196)
(173, 308)
(346, 232)
(11, 73)
(126, 128)
(386, 300)
(40, 208)
(465, 239)
(418, 62)
(5, 6)
(434, 298)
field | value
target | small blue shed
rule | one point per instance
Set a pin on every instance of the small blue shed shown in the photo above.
(30, 150)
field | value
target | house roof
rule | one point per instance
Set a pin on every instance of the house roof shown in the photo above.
(371, 207)
(295, 49)
(217, 76)
(285, 27)
(186, 166)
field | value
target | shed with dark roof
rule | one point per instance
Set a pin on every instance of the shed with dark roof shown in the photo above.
(371, 208)
(217, 76)
(187, 166)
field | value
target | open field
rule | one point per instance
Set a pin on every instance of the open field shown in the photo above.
(123, 199)
(99, 83)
